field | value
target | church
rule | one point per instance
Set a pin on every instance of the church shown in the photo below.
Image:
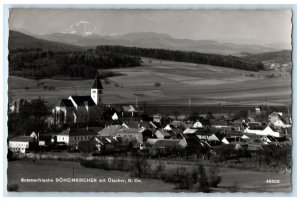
(79, 109)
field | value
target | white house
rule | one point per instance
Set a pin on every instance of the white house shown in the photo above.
(262, 131)
(74, 136)
(20, 144)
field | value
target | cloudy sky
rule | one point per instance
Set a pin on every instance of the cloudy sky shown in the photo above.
(240, 26)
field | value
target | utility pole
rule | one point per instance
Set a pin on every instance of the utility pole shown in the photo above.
(189, 101)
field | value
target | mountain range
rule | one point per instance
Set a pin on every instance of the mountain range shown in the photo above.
(85, 34)
(157, 40)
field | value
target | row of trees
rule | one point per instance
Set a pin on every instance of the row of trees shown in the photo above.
(38, 63)
(184, 56)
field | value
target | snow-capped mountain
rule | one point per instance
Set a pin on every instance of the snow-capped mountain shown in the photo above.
(83, 28)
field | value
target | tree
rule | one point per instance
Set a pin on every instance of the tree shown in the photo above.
(140, 165)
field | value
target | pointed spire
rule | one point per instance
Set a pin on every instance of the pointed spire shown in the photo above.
(97, 83)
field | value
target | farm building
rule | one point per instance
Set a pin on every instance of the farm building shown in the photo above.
(21, 144)
(131, 134)
(75, 135)
(79, 109)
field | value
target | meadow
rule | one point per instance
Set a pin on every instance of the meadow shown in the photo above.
(170, 83)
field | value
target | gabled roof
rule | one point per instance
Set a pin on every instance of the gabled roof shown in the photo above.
(65, 102)
(163, 133)
(110, 130)
(22, 139)
(97, 83)
(128, 108)
(78, 132)
(80, 100)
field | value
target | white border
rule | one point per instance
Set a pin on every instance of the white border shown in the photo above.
(125, 4)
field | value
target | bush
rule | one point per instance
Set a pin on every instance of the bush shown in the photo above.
(157, 84)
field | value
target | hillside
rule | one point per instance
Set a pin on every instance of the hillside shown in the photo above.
(281, 57)
(18, 40)
(37, 58)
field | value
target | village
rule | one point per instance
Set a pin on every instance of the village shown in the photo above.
(125, 129)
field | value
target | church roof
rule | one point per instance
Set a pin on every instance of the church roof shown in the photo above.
(97, 84)
(80, 100)
(65, 102)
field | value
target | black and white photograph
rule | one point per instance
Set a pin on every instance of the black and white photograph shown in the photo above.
(150, 100)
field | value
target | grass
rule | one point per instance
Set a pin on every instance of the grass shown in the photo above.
(179, 82)
(40, 169)
(243, 180)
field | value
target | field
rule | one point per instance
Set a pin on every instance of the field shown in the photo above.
(40, 169)
(170, 83)
(240, 180)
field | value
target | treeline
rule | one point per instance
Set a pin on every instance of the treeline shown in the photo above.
(38, 63)
(184, 56)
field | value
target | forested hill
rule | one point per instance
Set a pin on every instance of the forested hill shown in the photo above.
(38, 58)
(18, 40)
(184, 56)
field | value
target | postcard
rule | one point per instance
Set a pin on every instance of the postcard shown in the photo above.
(149, 100)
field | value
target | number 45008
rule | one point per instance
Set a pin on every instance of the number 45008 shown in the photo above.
(272, 181)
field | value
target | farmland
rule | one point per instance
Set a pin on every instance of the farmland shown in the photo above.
(168, 82)
(242, 180)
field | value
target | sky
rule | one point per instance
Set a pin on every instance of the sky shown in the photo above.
(239, 26)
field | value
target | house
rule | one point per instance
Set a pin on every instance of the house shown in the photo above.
(110, 130)
(103, 145)
(193, 144)
(130, 134)
(165, 147)
(262, 131)
(74, 135)
(128, 111)
(161, 134)
(79, 109)
(21, 144)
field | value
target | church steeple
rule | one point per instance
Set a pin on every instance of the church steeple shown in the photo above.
(97, 90)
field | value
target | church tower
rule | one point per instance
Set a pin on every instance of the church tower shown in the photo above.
(97, 91)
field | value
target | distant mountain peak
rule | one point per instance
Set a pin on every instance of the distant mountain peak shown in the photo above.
(83, 28)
